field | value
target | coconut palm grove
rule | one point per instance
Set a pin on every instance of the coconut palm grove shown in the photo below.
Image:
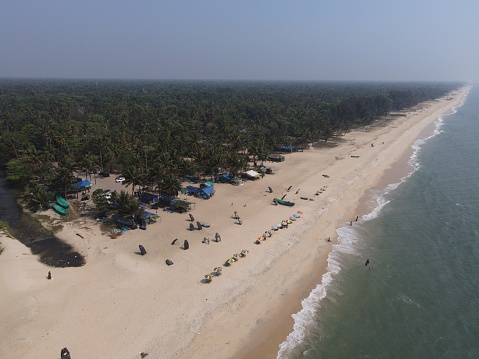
(156, 133)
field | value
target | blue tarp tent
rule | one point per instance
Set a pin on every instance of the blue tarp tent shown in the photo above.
(206, 192)
(83, 184)
(146, 197)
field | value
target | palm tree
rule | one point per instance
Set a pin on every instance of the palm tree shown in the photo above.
(169, 185)
(133, 176)
(127, 205)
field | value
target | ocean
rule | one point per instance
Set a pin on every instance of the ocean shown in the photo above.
(419, 295)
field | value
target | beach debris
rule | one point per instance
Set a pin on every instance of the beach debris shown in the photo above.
(186, 245)
(142, 250)
(243, 253)
(169, 262)
(65, 354)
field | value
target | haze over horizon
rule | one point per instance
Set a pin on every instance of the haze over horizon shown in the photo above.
(269, 40)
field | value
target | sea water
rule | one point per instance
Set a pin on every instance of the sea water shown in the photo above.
(419, 295)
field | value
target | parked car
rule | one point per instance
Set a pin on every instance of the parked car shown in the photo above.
(104, 174)
(107, 195)
(119, 179)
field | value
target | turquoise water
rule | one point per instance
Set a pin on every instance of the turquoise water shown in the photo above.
(420, 297)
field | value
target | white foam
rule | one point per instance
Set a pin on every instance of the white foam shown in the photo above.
(305, 319)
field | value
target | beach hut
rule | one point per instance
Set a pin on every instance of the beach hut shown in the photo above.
(147, 198)
(206, 192)
(83, 184)
(276, 158)
(206, 184)
(252, 175)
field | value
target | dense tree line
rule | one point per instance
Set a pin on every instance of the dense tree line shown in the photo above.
(157, 132)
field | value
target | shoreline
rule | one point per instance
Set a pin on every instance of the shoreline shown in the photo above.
(137, 304)
(396, 173)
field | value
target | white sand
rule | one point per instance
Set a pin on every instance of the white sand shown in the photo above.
(120, 304)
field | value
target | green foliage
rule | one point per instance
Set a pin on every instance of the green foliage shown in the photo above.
(18, 172)
(154, 132)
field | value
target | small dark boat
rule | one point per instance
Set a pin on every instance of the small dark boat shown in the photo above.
(284, 203)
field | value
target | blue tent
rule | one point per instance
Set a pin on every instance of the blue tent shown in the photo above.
(83, 184)
(206, 192)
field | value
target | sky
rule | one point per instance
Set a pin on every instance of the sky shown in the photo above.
(312, 40)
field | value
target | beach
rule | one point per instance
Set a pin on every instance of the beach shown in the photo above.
(120, 303)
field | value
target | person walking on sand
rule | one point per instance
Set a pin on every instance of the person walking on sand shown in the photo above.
(245, 204)
(236, 215)
(357, 217)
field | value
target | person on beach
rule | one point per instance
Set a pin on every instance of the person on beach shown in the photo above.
(357, 217)
(351, 223)
(236, 215)
(245, 204)
(49, 275)
(367, 262)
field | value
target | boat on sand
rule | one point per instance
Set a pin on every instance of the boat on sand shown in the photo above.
(283, 202)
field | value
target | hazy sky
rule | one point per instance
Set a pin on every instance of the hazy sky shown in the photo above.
(432, 40)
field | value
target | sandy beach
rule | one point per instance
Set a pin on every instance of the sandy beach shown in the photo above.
(121, 304)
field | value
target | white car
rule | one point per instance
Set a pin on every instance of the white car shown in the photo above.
(120, 179)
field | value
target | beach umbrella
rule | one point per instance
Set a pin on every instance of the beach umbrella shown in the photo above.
(292, 218)
(289, 221)
(274, 228)
(284, 223)
(235, 256)
(296, 215)
(230, 260)
(299, 212)
(208, 277)
(218, 270)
